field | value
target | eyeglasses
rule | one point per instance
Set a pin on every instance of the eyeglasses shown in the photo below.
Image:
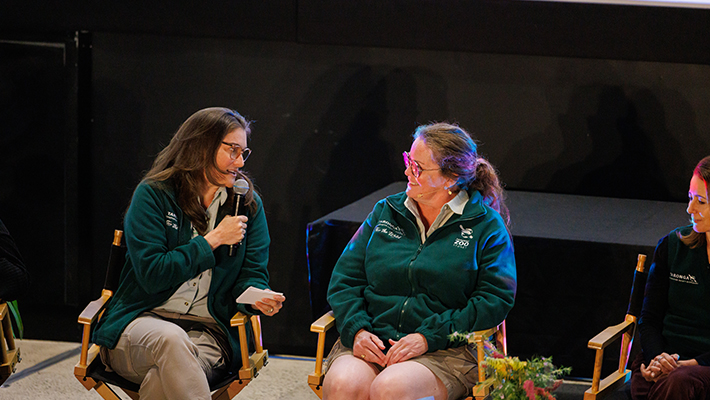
(237, 151)
(416, 169)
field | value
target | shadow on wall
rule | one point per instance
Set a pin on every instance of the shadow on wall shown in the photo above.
(116, 167)
(344, 142)
(626, 146)
(361, 154)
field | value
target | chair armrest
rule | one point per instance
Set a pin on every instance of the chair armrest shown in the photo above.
(478, 338)
(609, 335)
(323, 323)
(320, 326)
(87, 317)
(92, 310)
(623, 331)
(483, 334)
(250, 364)
(238, 319)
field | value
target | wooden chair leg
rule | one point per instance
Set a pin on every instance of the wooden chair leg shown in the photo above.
(235, 387)
(9, 353)
(133, 395)
(221, 394)
(101, 388)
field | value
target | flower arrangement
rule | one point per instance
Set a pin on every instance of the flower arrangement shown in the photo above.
(512, 379)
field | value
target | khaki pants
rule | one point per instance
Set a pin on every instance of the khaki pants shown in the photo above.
(167, 361)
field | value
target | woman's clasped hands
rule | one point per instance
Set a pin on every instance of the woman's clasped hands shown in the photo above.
(663, 364)
(370, 348)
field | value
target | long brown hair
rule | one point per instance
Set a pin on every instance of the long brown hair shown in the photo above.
(191, 156)
(456, 154)
(695, 239)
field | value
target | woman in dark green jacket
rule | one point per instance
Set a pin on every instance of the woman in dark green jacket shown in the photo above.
(431, 261)
(167, 326)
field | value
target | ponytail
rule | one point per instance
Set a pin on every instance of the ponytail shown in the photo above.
(488, 184)
(457, 156)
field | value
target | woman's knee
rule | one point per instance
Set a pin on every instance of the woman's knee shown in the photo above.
(389, 386)
(409, 380)
(341, 386)
(175, 341)
(687, 382)
(348, 379)
(686, 377)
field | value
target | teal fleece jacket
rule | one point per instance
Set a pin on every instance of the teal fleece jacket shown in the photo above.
(162, 255)
(461, 279)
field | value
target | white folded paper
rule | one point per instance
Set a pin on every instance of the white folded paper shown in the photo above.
(252, 295)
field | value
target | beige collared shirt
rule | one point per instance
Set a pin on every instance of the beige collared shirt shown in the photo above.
(191, 296)
(454, 206)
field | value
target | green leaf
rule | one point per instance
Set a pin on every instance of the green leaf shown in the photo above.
(17, 319)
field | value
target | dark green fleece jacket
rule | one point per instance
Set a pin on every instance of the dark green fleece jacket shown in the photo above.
(162, 255)
(462, 278)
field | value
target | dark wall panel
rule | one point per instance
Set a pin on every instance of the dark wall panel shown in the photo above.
(251, 19)
(33, 101)
(39, 165)
(512, 26)
(331, 123)
(490, 26)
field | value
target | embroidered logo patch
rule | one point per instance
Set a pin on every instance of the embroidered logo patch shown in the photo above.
(466, 233)
(171, 220)
(688, 278)
(389, 229)
(463, 241)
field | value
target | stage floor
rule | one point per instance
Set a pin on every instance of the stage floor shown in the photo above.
(46, 373)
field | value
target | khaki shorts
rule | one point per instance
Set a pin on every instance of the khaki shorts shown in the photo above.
(455, 367)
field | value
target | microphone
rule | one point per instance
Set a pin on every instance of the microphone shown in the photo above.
(420, 195)
(241, 187)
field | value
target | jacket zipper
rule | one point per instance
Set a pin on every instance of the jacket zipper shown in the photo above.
(411, 288)
(416, 254)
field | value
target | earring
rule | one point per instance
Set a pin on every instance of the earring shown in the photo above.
(450, 193)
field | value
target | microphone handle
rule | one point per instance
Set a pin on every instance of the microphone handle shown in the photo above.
(233, 247)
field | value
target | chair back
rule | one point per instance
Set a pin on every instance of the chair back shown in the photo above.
(638, 288)
(116, 260)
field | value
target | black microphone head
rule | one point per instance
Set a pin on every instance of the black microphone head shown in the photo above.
(241, 187)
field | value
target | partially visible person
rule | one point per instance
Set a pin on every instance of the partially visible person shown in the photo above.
(675, 319)
(426, 263)
(167, 327)
(14, 277)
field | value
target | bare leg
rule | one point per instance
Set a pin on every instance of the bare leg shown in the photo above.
(348, 378)
(407, 380)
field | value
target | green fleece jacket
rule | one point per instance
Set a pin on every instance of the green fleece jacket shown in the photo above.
(162, 255)
(461, 279)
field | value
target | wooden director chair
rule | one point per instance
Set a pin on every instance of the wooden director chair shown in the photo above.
(480, 391)
(9, 352)
(91, 372)
(624, 331)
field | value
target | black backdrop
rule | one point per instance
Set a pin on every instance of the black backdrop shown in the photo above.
(580, 99)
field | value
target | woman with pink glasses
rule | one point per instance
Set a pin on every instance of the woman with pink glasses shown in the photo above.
(428, 262)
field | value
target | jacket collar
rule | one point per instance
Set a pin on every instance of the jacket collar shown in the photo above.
(473, 209)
